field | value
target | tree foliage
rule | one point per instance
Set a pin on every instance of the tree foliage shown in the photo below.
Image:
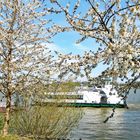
(25, 60)
(114, 25)
(26, 27)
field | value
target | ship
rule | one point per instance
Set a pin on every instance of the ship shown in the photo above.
(105, 96)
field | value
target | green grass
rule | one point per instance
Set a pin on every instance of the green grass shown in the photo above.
(13, 137)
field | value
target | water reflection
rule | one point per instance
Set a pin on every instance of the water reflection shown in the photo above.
(124, 125)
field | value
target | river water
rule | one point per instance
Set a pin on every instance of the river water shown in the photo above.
(125, 125)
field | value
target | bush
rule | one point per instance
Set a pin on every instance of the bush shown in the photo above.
(45, 122)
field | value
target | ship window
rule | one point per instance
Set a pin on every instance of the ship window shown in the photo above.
(102, 92)
(103, 100)
(49, 96)
(65, 97)
(95, 90)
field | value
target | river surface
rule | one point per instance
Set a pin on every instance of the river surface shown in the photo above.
(125, 125)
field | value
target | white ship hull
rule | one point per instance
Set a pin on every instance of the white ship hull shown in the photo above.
(93, 97)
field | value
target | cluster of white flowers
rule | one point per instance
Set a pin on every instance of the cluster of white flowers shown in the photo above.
(115, 26)
(24, 58)
(112, 24)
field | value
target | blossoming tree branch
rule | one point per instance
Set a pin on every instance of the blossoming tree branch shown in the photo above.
(115, 26)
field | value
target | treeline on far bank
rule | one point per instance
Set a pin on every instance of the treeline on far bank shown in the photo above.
(69, 86)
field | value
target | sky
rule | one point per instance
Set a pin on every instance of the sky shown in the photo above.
(66, 41)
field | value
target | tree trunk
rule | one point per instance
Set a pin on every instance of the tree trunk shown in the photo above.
(7, 115)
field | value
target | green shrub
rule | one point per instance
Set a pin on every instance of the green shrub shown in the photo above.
(45, 122)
